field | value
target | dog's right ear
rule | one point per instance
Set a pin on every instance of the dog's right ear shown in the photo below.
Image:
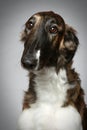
(69, 44)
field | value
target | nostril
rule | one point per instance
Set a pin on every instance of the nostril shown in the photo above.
(28, 63)
(24, 60)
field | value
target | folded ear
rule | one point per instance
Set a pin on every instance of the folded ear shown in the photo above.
(69, 44)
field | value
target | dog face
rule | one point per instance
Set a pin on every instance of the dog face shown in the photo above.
(48, 41)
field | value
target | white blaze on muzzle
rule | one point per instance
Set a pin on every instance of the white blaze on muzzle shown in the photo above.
(37, 58)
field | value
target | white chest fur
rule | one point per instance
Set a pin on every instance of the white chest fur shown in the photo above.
(47, 113)
(50, 87)
(48, 117)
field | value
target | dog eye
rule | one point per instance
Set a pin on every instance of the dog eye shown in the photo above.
(30, 25)
(53, 30)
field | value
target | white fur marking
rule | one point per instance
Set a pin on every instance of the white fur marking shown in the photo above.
(38, 54)
(50, 87)
(49, 117)
(47, 113)
(37, 57)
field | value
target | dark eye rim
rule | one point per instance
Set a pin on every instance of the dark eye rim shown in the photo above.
(30, 25)
(53, 29)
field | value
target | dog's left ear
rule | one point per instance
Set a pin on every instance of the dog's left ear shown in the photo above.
(69, 44)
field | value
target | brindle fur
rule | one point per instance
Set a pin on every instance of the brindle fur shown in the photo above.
(56, 51)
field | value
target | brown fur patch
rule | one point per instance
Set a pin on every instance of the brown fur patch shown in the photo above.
(56, 51)
(30, 95)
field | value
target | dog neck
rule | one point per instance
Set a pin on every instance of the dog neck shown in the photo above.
(51, 87)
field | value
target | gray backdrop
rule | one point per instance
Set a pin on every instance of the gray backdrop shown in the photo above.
(13, 79)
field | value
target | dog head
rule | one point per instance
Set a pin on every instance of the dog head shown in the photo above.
(48, 41)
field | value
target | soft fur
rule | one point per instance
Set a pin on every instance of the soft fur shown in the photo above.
(55, 99)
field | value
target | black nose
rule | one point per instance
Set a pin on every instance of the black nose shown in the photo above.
(28, 63)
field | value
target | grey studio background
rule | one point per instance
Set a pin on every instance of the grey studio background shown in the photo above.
(13, 78)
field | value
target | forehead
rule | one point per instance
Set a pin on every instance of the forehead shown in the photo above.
(44, 16)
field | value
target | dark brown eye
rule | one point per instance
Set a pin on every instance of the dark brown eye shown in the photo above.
(53, 29)
(30, 25)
